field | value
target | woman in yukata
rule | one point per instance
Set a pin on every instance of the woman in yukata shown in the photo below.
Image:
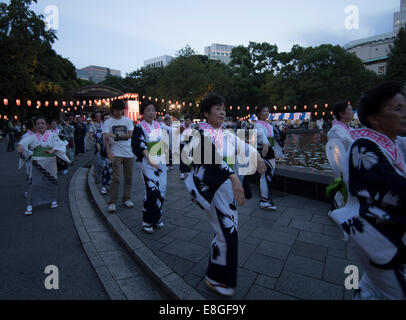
(270, 146)
(148, 146)
(45, 146)
(215, 186)
(374, 217)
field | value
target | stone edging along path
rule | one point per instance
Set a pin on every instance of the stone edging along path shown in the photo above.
(170, 281)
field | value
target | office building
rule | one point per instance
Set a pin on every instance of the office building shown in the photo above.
(161, 61)
(96, 74)
(373, 51)
(399, 19)
(220, 52)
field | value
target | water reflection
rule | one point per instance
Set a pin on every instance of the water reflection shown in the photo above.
(306, 150)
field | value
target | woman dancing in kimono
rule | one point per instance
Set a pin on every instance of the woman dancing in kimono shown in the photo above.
(148, 146)
(46, 146)
(185, 133)
(339, 134)
(107, 167)
(61, 164)
(25, 157)
(215, 186)
(270, 146)
(374, 217)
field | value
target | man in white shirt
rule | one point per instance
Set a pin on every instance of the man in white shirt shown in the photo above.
(118, 131)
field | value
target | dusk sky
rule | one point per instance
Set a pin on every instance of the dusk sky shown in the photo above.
(122, 34)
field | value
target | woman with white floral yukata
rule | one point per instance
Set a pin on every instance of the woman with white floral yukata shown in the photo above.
(216, 188)
(270, 146)
(25, 157)
(46, 146)
(339, 134)
(148, 146)
(374, 218)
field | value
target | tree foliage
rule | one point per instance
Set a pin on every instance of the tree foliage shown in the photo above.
(396, 69)
(29, 67)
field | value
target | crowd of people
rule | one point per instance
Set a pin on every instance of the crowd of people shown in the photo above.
(215, 160)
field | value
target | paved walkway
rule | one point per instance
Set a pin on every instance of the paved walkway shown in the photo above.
(294, 253)
(48, 237)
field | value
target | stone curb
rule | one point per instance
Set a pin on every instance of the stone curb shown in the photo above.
(164, 276)
(111, 287)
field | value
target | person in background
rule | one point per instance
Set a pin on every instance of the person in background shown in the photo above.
(96, 128)
(374, 218)
(26, 156)
(270, 147)
(117, 132)
(341, 131)
(107, 168)
(185, 135)
(11, 136)
(46, 146)
(61, 164)
(148, 146)
(68, 129)
(167, 126)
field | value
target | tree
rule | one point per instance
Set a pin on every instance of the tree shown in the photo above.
(29, 67)
(396, 69)
(186, 52)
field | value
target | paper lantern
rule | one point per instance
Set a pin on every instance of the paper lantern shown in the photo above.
(29, 103)
(56, 103)
(294, 108)
(77, 103)
(46, 103)
(248, 108)
(284, 108)
(238, 107)
(315, 106)
(84, 102)
(5, 101)
(315, 113)
(15, 117)
(323, 114)
(305, 107)
(149, 98)
(38, 104)
(61, 110)
(231, 107)
(163, 100)
(64, 103)
(71, 103)
(76, 108)
(18, 102)
(69, 109)
(326, 106)
(275, 108)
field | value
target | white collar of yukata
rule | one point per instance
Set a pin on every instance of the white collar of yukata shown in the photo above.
(383, 141)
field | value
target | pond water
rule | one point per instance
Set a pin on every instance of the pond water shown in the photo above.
(306, 150)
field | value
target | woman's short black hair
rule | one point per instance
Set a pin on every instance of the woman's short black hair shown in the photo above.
(340, 107)
(118, 105)
(212, 99)
(145, 104)
(260, 108)
(374, 100)
(40, 118)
